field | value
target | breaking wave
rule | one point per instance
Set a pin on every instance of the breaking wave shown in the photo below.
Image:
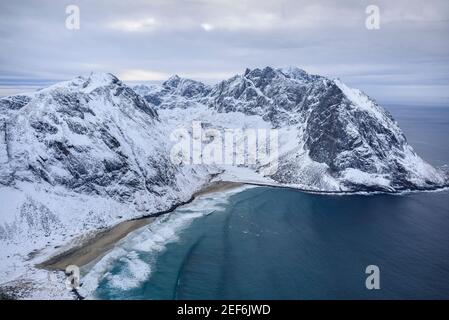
(132, 260)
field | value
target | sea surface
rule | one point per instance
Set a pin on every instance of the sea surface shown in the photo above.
(271, 243)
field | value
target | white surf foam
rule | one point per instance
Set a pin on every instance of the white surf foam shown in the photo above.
(150, 240)
(131, 275)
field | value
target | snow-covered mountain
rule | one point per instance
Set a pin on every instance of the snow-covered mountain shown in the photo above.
(81, 155)
(91, 152)
(344, 140)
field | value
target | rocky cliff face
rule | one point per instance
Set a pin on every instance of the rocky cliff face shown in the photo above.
(72, 135)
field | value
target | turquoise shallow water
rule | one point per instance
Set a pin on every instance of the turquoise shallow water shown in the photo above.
(268, 243)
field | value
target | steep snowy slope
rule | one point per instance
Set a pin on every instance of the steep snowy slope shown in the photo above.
(82, 155)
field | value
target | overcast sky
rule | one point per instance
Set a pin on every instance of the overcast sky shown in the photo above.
(406, 61)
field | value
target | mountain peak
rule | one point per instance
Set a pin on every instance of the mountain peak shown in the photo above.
(99, 79)
(173, 81)
(185, 87)
(294, 72)
(102, 78)
(267, 72)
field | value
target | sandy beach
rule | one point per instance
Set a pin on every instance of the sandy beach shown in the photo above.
(97, 245)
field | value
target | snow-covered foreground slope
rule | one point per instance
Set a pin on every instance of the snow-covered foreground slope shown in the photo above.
(91, 152)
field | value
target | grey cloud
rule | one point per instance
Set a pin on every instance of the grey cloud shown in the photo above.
(162, 37)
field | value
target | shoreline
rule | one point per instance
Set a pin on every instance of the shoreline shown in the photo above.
(92, 246)
(97, 245)
(349, 192)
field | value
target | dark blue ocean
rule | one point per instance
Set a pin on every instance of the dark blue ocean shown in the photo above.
(269, 243)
